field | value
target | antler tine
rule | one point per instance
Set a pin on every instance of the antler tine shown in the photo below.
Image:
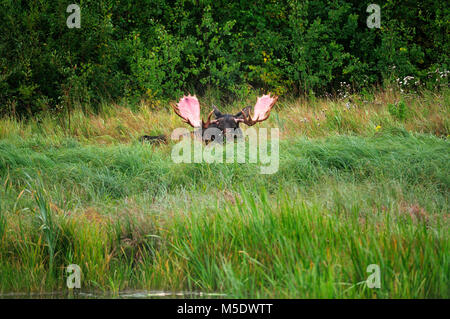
(247, 119)
(275, 99)
(250, 121)
(177, 112)
(208, 121)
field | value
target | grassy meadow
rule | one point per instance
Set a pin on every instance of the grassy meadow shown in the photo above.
(361, 181)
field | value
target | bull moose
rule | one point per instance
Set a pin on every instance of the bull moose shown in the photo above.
(224, 125)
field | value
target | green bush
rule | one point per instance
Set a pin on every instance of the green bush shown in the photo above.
(398, 110)
(158, 49)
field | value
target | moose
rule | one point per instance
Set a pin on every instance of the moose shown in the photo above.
(224, 126)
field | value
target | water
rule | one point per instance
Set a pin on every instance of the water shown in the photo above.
(126, 294)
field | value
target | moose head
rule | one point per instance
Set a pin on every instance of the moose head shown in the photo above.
(188, 108)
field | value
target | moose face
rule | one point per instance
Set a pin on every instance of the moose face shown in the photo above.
(226, 126)
(188, 108)
(226, 121)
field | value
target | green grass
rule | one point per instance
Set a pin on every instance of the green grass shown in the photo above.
(133, 219)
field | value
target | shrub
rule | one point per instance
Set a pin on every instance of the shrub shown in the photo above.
(159, 49)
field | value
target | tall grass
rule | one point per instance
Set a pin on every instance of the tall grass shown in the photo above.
(286, 248)
(47, 225)
(133, 219)
(425, 112)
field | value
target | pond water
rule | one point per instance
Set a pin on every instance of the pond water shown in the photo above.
(126, 294)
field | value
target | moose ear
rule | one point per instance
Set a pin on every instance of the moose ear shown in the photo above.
(245, 111)
(217, 113)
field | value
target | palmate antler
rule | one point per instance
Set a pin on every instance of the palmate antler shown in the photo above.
(261, 110)
(188, 108)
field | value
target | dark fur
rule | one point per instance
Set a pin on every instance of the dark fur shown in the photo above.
(157, 139)
(224, 121)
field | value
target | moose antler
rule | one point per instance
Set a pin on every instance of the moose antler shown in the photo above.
(188, 108)
(261, 110)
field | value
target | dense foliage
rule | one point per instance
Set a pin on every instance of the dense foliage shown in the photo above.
(158, 49)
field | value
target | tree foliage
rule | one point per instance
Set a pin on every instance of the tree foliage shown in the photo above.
(158, 49)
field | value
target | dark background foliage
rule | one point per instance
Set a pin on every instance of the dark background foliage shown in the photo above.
(158, 49)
